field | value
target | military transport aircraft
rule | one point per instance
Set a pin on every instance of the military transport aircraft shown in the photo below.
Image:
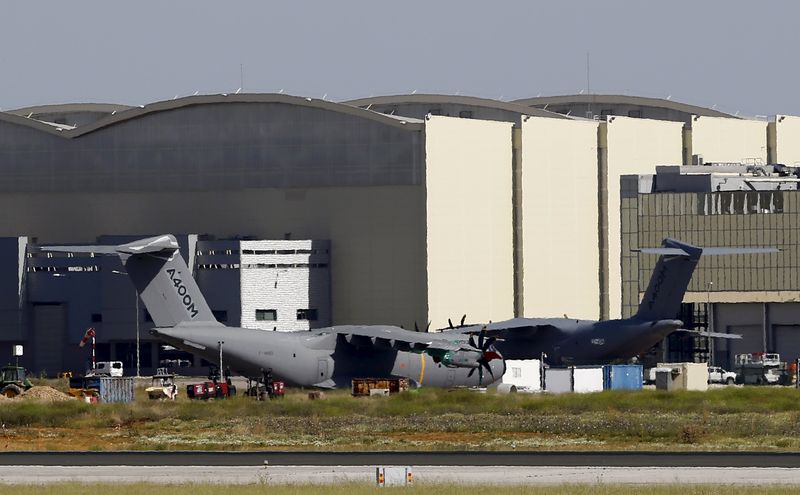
(565, 341)
(327, 357)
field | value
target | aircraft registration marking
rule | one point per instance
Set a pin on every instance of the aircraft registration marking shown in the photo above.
(183, 292)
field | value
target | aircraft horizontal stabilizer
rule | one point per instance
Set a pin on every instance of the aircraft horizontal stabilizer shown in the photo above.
(714, 335)
(709, 251)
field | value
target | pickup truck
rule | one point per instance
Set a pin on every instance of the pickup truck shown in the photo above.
(719, 375)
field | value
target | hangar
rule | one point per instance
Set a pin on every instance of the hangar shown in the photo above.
(430, 206)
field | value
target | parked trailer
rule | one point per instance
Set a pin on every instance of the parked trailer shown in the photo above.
(587, 379)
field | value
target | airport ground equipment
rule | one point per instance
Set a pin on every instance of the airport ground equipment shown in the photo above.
(622, 377)
(163, 386)
(369, 386)
(210, 390)
(717, 374)
(761, 368)
(14, 380)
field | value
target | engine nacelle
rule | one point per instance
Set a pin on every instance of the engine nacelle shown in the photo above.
(458, 359)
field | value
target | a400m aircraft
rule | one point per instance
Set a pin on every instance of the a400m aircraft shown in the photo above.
(326, 357)
(565, 341)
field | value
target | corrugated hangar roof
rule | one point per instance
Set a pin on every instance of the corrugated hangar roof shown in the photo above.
(455, 100)
(130, 113)
(540, 101)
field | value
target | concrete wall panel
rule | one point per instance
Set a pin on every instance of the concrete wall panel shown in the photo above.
(469, 224)
(721, 139)
(634, 146)
(560, 215)
(787, 140)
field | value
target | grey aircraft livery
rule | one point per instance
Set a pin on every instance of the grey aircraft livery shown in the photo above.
(565, 341)
(326, 357)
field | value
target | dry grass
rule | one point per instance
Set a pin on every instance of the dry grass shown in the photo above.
(733, 418)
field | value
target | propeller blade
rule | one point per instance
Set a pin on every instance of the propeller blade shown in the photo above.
(472, 341)
(416, 328)
(428, 326)
(463, 318)
(480, 338)
(470, 372)
(489, 368)
(450, 323)
(489, 342)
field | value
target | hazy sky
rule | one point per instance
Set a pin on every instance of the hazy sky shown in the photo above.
(733, 54)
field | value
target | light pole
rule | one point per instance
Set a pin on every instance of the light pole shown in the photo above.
(710, 324)
(221, 373)
(136, 293)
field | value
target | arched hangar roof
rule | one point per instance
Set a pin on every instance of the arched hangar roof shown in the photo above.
(108, 108)
(434, 99)
(131, 113)
(642, 101)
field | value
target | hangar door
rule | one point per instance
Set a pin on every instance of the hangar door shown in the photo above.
(49, 333)
(787, 341)
(725, 349)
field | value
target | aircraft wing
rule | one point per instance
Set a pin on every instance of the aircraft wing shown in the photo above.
(519, 328)
(396, 338)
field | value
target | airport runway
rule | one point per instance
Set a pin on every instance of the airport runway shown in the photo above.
(576, 459)
(469, 468)
(466, 475)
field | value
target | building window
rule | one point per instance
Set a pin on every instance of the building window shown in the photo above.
(435, 111)
(220, 314)
(606, 111)
(307, 314)
(97, 317)
(465, 114)
(636, 114)
(266, 315)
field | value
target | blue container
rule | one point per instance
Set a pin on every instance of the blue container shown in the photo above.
(622, 377)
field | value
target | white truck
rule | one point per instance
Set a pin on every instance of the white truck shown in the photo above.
(107, 368)
(720, 375)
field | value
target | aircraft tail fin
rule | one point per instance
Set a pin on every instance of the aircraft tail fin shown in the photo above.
(672, 274)
(161, 277)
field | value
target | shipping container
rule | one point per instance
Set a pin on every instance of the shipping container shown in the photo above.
(587, 379)
(558, 380)
(622, 377)
(524, 374)
(111, 389)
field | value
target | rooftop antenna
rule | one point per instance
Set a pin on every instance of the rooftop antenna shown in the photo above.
(241, 77)
(588, 84)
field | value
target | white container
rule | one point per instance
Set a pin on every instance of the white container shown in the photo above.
(587, 379)
(558, 380)
(523, 374)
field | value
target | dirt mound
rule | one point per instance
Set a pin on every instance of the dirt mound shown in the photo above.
(45, 393)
